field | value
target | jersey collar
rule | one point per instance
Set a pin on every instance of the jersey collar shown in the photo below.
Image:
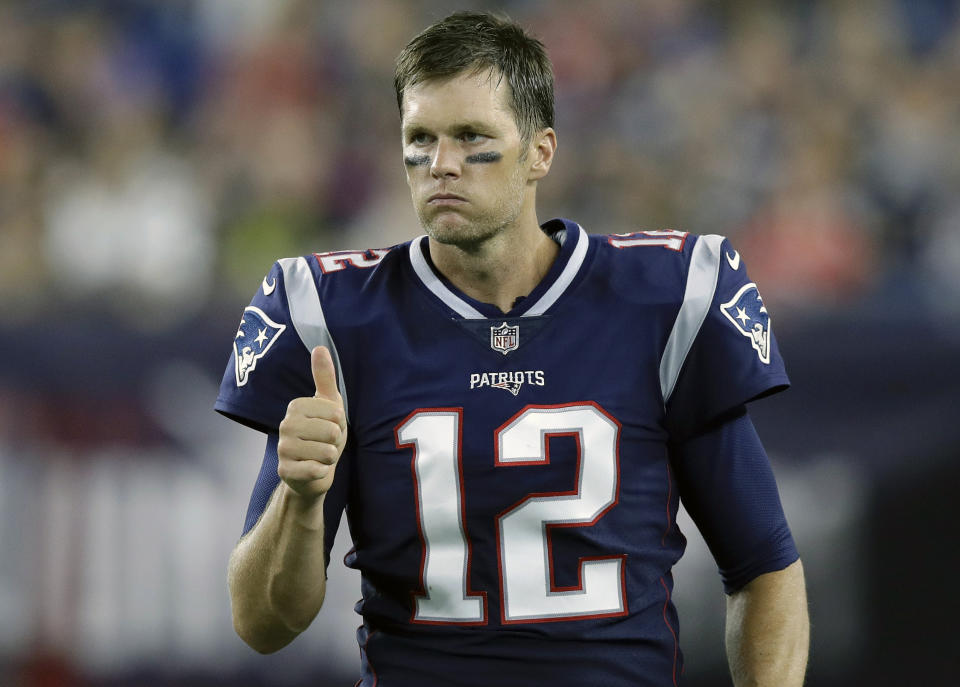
(573, 251)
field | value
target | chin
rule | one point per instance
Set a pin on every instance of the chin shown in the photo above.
(461, 234)
(448, 227)
(456, 229)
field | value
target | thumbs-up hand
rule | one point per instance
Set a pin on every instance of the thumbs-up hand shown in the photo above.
(313, 432)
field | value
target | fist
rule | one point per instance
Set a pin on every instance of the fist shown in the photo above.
(313, 432)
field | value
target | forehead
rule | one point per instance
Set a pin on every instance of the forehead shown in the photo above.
(474, 96)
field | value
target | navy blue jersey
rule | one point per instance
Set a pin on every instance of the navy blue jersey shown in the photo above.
(507, 481)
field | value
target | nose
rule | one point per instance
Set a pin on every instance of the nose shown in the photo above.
(446, 160)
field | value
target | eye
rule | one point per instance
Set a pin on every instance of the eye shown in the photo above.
(419, 138)
(471, 137)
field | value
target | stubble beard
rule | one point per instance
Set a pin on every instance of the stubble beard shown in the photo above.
(468, 231)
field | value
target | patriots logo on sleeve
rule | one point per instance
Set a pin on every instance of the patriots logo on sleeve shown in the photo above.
(255, 336)
(747, 313)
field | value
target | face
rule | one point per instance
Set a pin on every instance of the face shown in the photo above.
(464, 155)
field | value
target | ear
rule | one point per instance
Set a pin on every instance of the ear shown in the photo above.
(542, 149)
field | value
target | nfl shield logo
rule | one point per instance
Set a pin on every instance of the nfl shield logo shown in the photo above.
(505, 338)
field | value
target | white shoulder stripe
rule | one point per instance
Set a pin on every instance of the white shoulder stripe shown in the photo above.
(439, 289)
(306, 313)
(701, 286)
(566, 277)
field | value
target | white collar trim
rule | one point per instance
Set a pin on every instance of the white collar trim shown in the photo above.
(467, 311)
(565, 279)
(439, 289)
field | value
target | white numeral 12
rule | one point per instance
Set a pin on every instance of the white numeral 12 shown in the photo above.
(528, 593)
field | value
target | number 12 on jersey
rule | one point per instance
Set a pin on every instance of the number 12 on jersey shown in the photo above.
(527, 591)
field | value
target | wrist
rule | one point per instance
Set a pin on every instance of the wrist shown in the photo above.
(305, 509)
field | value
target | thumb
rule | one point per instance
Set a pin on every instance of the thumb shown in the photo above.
(324, 374)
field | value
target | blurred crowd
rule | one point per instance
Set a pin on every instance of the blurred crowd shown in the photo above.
(156, 157)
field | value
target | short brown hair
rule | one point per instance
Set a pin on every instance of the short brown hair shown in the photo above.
(476, 42)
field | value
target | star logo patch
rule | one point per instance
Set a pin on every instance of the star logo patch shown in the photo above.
(748, 314)
(256, 334)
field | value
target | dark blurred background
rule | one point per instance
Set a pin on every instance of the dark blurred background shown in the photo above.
(157, 157)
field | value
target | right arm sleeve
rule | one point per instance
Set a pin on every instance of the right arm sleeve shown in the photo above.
(334, 503)
(267, 482)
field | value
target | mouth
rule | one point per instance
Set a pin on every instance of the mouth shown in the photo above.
(445, 199)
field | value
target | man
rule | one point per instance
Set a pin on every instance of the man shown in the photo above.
(510, 414)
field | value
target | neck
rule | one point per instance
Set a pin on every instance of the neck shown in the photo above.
(502, 268)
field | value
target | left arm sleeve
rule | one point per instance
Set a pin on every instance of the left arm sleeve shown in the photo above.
(727, 485)
(721, 352)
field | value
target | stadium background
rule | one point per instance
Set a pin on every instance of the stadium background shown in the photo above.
(156, 157)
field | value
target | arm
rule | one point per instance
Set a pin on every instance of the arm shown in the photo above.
(277, 572)
(729, 489)
(768, 630)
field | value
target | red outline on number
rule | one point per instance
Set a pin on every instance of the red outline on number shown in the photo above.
(682, 235)
(422, 588)
(375, 254)
(549, 526)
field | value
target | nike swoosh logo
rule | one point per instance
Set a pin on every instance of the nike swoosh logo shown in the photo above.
(268, 288)
(733, 261)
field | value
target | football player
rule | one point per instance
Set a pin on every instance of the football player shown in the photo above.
(510, 412)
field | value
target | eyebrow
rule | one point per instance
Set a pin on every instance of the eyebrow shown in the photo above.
(473, 126)
(458, 127)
